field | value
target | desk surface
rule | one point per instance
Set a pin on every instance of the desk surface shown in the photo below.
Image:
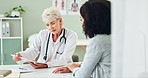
(38, 73)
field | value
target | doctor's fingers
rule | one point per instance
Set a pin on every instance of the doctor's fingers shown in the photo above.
(18, 55)
(16, 58)
(39, 64)
(33, 65)
(42, 65)
(36, 66)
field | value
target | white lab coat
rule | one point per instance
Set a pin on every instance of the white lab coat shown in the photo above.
(53, 59)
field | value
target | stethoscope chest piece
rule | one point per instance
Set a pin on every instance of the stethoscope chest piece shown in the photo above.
(45, 57)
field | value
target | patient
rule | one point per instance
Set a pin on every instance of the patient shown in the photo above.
(96, 23)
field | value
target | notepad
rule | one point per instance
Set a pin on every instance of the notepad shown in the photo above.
(4, 73)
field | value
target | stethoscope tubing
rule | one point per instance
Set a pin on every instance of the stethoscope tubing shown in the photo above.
(45, 57)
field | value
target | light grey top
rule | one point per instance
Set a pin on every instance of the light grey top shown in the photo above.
(97, 59)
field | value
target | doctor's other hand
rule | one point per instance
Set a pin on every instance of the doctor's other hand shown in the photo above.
(62, 70)
(16, 57)
(38, 65)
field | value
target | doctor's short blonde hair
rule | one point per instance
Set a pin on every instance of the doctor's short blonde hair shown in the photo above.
(51, 14)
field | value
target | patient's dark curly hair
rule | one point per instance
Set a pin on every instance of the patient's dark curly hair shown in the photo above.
(97, 17)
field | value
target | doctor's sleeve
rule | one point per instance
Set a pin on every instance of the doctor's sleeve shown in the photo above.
(32, 52)
(68, 51)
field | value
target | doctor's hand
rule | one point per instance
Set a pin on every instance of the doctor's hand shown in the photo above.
(62, 70)
(16, 57)
(38, 65)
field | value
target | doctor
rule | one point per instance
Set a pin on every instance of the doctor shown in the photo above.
(54, 45)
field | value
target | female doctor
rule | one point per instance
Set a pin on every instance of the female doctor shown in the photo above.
(54, 45)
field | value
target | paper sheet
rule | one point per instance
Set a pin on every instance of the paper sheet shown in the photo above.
(23, 69)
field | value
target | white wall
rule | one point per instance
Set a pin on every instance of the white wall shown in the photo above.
(130, 38)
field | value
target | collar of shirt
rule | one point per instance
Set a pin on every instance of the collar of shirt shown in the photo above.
(58, 40)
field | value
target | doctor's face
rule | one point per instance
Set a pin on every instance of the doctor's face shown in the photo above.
(54, 26)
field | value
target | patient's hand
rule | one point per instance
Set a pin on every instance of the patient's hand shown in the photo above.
(62, 70)
(38, 65)
(73, 66)
(16, 57)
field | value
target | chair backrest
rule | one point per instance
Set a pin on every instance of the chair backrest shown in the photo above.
(75, 58)
(31, 39)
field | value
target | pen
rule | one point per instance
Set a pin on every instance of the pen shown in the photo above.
(22, 68)
(12, 54)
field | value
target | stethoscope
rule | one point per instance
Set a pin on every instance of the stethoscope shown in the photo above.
(45, 57)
